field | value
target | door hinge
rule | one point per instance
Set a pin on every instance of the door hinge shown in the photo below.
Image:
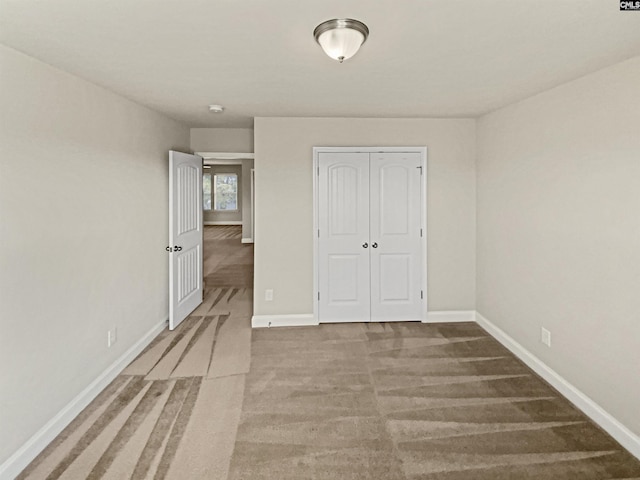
(420, 167)
(318, 233)
(421, 294)
(318, 170)
(421, 232)
(318, 295)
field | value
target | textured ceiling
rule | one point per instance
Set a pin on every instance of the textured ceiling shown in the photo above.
(424, 58)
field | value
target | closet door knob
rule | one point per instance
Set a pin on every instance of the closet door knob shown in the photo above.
(375, 245)
(365, 245)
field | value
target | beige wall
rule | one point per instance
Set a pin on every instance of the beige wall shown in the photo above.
(284, 203)
(218, 216)
(235, 140)
(559, 231)
(83, 227)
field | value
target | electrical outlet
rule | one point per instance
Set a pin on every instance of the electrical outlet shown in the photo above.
(545, 336)
(112, 337)
(268, 295)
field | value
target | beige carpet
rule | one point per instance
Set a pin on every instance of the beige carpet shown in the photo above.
(214, 400)
(409, 401)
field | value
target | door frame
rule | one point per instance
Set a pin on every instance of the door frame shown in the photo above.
(423, 217)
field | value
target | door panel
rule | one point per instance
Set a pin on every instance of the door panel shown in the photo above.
(394, 202)
(395, 278)
(344, 272)
(396, 254)
(185, 233)
(344, 192)
(187, 272)
(343, 238)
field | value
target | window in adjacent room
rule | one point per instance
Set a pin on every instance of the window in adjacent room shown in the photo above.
(206, 191)
(225, 191)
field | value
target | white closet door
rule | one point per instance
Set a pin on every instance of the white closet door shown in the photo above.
(343, 243)
(396, 251)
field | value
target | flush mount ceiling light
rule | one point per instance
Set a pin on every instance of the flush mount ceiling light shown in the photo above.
(341, 38)
(216, 108)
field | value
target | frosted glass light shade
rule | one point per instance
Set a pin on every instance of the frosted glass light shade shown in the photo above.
(341, 38)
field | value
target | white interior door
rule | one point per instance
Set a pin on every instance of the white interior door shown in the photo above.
(185, 235)
(343, 237)
(396, 244)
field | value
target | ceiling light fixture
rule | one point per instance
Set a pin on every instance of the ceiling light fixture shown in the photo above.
(341, 38)
(216, 108)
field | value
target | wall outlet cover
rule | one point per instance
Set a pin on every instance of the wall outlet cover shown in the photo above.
(545, 336)
(112, 337)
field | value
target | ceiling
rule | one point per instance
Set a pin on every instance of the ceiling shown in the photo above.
(424, 58)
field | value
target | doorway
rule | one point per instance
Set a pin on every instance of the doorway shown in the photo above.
(228, 232)
(370, 238)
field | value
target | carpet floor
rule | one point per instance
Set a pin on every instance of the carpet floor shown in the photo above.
(409, 401)
(215, 400)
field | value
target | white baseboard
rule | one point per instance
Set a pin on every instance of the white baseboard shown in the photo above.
(231, 222)
(38, 442)
(247, 240)
(595, 412)
(451, 316)
(298, 320)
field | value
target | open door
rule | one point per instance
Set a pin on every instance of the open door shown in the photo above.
(185, 235)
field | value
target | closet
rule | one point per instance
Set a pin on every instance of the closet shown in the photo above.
(371, 243)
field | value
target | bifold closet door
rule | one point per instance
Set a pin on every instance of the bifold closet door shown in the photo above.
(343, 237)
(395, 233)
